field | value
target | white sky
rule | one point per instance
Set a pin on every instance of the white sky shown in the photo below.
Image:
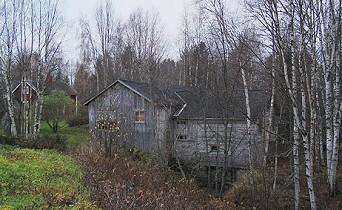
(170, 12)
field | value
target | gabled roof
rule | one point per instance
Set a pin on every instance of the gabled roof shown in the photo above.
(190, 103)
(51, 86)
(18, 84)
(87, 102)
(150, 92)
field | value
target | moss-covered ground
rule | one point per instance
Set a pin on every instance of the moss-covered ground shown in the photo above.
(40, 179)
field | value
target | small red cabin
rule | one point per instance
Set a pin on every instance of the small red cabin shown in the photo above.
(25, 93)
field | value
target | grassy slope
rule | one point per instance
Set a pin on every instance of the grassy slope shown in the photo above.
(75, 135)
(34, 179)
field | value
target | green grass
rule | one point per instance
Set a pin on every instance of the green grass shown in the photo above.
(75, 135)
(40, 179)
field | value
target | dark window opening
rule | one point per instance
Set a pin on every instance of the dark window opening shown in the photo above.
(214, 148)
(181, 137)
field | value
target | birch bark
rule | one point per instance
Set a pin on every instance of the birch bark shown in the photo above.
(296, 136)
(248, 121)
(299, 123)
(10, 105)
(9, 34)
(270, 116)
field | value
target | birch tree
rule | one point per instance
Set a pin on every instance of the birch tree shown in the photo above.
(47, 42)
(330, 31)
(232, 46)
(105, 25)
(273, 15)
(248, 112)
(144, 35)
(9, 15)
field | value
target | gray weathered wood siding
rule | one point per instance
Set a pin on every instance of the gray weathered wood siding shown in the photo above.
(159, 134)
(193, 149)
(118, 104)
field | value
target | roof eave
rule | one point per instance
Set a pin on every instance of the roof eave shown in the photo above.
(113, 84)
(212, 118)
(29, 84)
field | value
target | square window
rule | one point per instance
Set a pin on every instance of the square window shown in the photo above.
(214, 148)
(139, 116)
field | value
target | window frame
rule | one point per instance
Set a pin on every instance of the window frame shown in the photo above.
(137, 115)
(139, 109)
(181, 133)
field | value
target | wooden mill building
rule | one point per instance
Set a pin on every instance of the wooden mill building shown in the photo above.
(179, 122)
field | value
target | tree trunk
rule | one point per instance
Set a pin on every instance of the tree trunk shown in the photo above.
(10, 106)
(248, 121)
(270, 116)
(336, 124)
(296, 165)
(38, 114)
(276, 153)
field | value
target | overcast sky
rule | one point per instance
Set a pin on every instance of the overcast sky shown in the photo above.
(170, 11)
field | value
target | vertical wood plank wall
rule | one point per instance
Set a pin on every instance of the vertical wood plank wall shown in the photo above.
(117, 104)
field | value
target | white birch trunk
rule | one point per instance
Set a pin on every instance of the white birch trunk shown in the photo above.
(35, 113)
(296, 163)
(276, 154)
(328, 118)
(10, 106)
(337, 123)
(270, 116)
(281, 49)
(248, 121)
(302, 121)
(39, 113)
(296, 136)
(298, 121)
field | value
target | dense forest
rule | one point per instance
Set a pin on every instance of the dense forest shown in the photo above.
(290, 49)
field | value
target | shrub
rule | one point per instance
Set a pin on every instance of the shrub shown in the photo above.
(8, 140)
(142, 157)
(56, 107)
(78, 120)
(123, 182)
(81, 118)
(57, 142)
(244, 195)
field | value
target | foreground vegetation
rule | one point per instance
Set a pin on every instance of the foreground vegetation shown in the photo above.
(40, 179)
(46, 179)
(132, 180)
